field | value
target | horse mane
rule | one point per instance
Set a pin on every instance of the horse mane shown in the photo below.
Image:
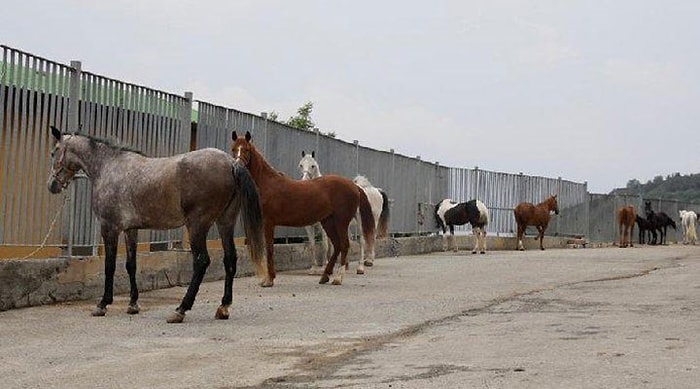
(106, 142)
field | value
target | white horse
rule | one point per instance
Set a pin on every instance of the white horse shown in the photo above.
(309, 169)
(378, 200)
(688, 221)
(449, 213)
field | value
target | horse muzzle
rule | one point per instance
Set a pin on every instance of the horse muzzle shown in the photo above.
(55, 187)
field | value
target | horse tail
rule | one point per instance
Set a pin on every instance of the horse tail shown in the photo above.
(691, 228)
(367, 218)
(483, 212)
(247, 200)
(383, 226)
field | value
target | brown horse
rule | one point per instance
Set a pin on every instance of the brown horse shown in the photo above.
(538, 215)
(626, 216)
(332, 200)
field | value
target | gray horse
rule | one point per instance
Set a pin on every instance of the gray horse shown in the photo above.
(131, 191)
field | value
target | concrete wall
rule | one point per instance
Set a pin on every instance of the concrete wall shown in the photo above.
(26, 283)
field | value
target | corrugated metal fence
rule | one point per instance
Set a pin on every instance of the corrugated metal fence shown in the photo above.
(36, 92)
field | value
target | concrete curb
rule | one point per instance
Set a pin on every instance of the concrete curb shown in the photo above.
(25, 283)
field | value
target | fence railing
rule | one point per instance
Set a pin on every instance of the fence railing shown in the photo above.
(36, 92)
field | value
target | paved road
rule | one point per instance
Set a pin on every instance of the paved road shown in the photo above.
(578, 318)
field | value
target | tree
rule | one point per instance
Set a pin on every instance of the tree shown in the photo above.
(303, 120)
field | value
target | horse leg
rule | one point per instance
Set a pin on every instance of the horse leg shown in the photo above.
(631, 233)
(664, 231)
(131, 237)
(200, 262)
(483, 239)
(540, 235)
(361, 263)
(329, 226)
(344, 242)
(370, 248)
(452, 242)
(621, 234)
(475, 234)
(521, 232)
(110, 238)
(311, 236)
(269, 231)
(230, 261)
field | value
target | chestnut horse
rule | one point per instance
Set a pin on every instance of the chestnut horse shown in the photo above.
(538, 215)
(626, 216)
(333, 200)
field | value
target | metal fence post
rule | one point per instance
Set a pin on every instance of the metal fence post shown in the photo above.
(418, 225)
(357, 156)
(74, 126)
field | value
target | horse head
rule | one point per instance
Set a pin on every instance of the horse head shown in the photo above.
(308, 166)
(242, 147)
(553, 204)
(647, 208)
(64, 163)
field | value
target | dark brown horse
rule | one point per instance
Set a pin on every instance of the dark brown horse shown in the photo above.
(626, 216)
(332, 200)
(131, 191)
(538, 215)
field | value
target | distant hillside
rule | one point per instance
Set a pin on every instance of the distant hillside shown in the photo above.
(672, 187)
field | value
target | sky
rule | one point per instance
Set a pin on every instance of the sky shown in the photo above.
(591, 91)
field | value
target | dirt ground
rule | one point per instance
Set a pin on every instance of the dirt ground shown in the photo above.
(576, 318)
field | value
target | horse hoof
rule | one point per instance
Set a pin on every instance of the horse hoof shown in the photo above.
(474, 252)
(368, 263)
(482, 252)
(360, 271)
(133, 309)
(266, 283)
(176, 317)
(521, 249)
(315, 271)
(99, 311)
(324, 279)
(221, 313)
(337, 282)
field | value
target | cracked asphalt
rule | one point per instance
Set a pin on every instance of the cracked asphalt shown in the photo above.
(575, 318)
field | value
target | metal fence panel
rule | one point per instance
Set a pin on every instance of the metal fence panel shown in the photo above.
(36, 92)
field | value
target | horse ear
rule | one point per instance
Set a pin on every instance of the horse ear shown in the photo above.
(248, 137)
(313, 154)
(234, 136)
(303, 153)
(56, 133)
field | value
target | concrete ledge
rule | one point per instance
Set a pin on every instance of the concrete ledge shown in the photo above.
(32, 282)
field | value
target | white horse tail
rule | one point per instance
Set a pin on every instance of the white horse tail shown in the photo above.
(692, 233)
(483, 212)
(366, 218)
(383, 225)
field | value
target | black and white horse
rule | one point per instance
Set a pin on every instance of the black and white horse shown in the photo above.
(449, 213)
(659, 222)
